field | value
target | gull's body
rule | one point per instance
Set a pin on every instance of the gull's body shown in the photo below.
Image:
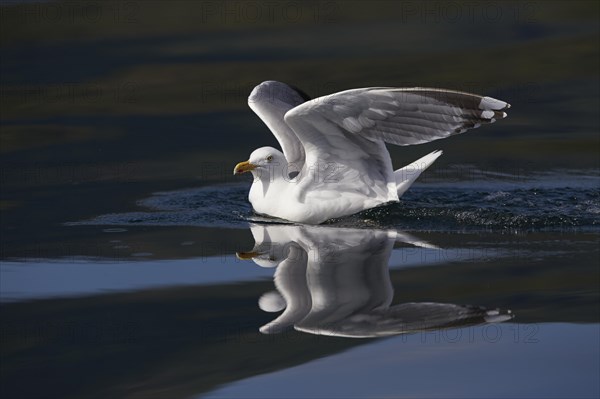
(334, 161)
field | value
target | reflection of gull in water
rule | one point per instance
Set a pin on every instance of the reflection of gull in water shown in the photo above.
(335, 281)
(334, 161)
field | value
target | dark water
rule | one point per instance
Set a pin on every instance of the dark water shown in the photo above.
(131, 264)
(465, 279)
(551, 201)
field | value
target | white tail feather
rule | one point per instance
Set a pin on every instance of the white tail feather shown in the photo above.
(406, 176)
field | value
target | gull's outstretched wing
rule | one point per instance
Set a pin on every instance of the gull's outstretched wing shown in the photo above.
(271, 100)
(397, 116)
(348, 129)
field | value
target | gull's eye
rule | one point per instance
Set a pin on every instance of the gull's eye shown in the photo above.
(270, 158)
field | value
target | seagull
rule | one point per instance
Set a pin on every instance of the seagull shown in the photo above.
(334, 161)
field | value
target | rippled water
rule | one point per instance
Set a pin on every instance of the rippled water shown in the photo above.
(552, 201)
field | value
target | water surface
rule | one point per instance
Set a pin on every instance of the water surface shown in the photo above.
(120, 220)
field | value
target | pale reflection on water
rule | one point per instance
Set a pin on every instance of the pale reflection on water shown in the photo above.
(336, 282)
(109, 290)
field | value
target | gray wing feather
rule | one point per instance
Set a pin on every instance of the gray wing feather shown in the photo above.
(271, 100)
(399, 116)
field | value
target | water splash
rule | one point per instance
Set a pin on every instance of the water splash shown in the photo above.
(551, 202)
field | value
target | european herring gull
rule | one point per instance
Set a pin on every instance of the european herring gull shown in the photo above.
(334, 161)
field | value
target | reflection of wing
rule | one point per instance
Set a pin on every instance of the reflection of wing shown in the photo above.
(348, 129)
(407, 318)
(335, 281)
(290, 280)
(350, 275)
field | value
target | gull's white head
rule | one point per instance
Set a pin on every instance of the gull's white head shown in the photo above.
(263, 163)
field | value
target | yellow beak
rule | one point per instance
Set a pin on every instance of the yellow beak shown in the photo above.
(243, 167)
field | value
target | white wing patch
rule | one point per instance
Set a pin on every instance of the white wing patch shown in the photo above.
(403, 116)
(270, 100)
(344, 129)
